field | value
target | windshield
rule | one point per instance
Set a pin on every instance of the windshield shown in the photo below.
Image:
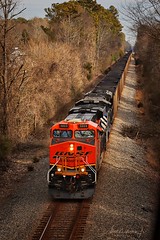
(84, 134)
(62, 134)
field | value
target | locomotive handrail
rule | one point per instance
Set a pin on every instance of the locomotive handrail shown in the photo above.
(51, 169)
(91, 168)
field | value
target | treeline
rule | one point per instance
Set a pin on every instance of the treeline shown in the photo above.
(47, 63)
(145, 16)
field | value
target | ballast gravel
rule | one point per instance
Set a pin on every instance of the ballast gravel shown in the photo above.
(21, 212)
(124, 203)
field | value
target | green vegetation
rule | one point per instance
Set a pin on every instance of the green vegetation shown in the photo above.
(21, 20)
(88, 67)
(25, 36)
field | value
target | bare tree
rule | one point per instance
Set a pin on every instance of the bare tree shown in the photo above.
(146, 14)
(12, 72)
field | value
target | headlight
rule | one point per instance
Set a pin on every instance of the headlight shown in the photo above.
(59, 169)
(71, 147)
(83, 169)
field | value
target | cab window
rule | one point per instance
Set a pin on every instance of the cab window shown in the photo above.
(62, 134)
(84, 134)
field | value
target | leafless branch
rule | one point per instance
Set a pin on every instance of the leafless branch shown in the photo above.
(144, 13)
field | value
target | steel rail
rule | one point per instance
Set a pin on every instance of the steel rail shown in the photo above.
(66, 221)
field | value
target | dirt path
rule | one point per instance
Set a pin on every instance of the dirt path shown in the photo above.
(125, 198)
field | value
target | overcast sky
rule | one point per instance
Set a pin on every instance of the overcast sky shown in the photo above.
(35, 8)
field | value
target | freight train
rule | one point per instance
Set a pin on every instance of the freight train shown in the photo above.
(78, 143)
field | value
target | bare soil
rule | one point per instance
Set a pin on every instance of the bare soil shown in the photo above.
(23, 160)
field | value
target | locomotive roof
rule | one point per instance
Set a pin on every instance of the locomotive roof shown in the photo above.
(104, 88)
(94, 100)
(89, 108)
(82, 116)
(88, 111)
(75, 119)
(101, 92)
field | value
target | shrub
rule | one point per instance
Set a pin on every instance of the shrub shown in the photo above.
(88, 66)
(5, 149)
(21, 20)
(130, 131)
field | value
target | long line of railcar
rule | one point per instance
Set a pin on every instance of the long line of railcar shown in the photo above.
(78, 142)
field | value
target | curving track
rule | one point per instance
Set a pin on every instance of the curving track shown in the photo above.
(63, 221)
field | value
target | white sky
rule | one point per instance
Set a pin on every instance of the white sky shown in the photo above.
(35, 8)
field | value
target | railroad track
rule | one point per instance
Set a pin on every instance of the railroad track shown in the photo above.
(63, 220)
